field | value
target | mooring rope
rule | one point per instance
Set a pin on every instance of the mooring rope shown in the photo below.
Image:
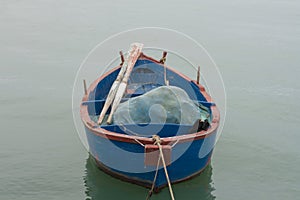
(139, 142)
(154, 180)
(157, 141)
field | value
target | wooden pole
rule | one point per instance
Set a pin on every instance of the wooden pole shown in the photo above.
(122, 57)
(136, 50)
(164, 58)
(84, 86)
(198, 75)
(162, 61)
(165, 76)
(113, 90)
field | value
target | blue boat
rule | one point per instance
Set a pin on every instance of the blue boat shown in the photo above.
(130, 152)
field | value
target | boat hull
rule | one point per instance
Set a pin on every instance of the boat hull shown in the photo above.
(124, 154)
(126, 161)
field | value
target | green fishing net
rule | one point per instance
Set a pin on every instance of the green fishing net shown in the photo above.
(165, 104)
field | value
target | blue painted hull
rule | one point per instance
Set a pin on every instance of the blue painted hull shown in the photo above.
(122, 154)
(126, 160)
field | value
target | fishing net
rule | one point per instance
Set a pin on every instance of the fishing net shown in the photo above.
(165, 104)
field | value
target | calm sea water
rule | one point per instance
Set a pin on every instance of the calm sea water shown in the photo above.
(256, 45)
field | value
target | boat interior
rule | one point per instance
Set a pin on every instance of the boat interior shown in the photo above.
(145, 76)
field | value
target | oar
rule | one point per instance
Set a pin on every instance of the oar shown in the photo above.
(136, 50)
(112, 92)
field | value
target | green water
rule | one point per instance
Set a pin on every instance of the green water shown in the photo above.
(256, 45)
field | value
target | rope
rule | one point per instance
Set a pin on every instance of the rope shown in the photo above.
(173, 145)
(139, 142)
(157, 140)
(154, 180)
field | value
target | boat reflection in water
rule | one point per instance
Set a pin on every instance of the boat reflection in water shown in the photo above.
(99, 185)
